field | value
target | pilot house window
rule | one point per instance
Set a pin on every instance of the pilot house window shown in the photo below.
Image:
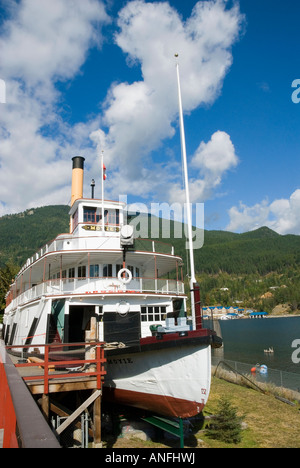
(112, 217)
(90, 215)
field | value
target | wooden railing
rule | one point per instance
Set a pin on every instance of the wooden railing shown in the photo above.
(56, 357)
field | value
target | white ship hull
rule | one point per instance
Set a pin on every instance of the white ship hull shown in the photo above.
(173, 382)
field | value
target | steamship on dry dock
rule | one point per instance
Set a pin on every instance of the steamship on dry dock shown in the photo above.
(99, 273)
(100, 280)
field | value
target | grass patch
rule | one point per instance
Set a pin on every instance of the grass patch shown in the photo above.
(248, 380)
(269, 423)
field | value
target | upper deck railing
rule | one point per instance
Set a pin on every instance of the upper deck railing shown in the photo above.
(97, 286)
(68, 242)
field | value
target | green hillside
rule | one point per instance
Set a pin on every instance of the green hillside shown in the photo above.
(21, 235)
(261, 251)
(246, 265)
(258, 269)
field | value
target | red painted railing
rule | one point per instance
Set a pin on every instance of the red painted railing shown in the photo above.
(58, 360)
(20, 417)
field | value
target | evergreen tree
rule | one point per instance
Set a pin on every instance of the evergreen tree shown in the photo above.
(7, 275)
(226, 425)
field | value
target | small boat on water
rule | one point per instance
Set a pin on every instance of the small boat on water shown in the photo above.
(98, 281)
(269, 351)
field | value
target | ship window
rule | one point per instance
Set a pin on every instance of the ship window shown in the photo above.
(151, 314)
(82, 271)
(75, 219)
(90, 215)
(112, 217)
(107, 271)
(71, 273)
(94, 271)
(134, 271)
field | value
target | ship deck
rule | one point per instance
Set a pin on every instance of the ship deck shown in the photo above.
(60, 382)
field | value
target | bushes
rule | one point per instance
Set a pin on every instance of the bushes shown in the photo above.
(7, 275)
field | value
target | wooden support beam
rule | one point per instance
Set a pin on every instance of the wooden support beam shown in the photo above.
(77, 412)
(97, 422)
(45, 406)
(64, 412)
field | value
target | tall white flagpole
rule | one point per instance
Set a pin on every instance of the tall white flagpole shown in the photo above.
(187, 194)
(102, 190)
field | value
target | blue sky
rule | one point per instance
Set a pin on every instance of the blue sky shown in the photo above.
(82, 77)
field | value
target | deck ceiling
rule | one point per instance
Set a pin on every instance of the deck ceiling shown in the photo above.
(54, 262)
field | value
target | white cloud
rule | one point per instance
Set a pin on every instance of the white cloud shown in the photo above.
(216, 156)
(281, 215)
(2, 92)
(41, 43)
(49, 40)
(245, 218)
(142, 114)
(210, 163)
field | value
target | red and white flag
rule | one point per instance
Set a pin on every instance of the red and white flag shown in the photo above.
(104, 172)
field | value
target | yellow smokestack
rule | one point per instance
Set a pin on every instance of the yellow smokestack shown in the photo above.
(77, 178)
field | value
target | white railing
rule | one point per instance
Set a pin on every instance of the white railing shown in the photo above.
(68, 242)
(98, 286)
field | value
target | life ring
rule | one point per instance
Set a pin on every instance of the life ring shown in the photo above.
(124, 279)
(123, 308)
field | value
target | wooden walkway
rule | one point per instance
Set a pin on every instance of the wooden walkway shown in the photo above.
(34, 378)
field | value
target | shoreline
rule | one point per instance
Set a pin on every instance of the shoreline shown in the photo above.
(248, 318)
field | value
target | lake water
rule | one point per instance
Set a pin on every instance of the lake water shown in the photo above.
(246, 339)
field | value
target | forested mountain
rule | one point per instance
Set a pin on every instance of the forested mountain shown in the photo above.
(245, 265)
(21, 235)
(261, 251)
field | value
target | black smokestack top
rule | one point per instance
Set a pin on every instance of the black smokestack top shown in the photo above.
(78, 162)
